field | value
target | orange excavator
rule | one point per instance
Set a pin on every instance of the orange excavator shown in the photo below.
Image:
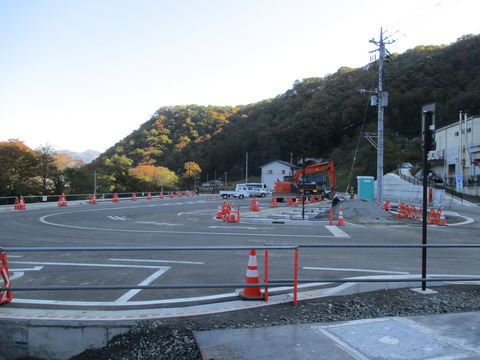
(296, 185)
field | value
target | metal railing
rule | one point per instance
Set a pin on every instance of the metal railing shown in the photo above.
(268, 283)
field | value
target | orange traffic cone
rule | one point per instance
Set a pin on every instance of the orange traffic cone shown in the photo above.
(21, 205)
(340, 217)
(160, 196)
(252, 293)
(441, 220)
(312, 200)
(231, 215)
(254, 205)
(5, 296)
(180, 194)
(171, 194)
(62, 201)
(149, 196)
(15, 206)
(115, 198)
(219, 212)
(134, 197)
(290, 201)
(274, 203)
(92, 200)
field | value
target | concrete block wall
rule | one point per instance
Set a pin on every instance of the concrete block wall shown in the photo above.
(54, 340)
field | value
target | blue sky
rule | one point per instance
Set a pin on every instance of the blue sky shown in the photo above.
(84, 74)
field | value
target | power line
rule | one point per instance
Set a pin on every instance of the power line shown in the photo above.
(423, 14)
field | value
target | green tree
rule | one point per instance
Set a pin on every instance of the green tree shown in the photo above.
(18, 169)
(47, 168)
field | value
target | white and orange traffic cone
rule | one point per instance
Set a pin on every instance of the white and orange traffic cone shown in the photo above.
(160, 196)
(134, 197)
(149, 196)
(340, 217)
(62, 201)
(252, 293)
(254, 205)
(15, 206)
(442, 221)
(219, 212)
(21, 205)
(274, 203)
(231, 215)
(115, 198)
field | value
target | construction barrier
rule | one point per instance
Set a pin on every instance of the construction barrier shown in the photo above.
(62, 201)
(115, 198)
(5, 296)
(92, 199)
(252, 293)
(134, 197)
(290, 202)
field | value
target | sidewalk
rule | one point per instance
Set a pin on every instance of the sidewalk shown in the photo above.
(448, 336)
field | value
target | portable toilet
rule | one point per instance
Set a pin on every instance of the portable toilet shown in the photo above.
(366, 187)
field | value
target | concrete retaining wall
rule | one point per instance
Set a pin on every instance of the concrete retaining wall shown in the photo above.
(54, 340)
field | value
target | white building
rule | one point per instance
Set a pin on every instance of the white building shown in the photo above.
(457, 156)
(275, 171)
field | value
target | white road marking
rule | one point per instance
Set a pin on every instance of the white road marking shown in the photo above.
(86, 264)
(357, 270)
(337, 232)
(237, 227)
(122, 218)
(131, 293)
(35, 268)
(161, 261)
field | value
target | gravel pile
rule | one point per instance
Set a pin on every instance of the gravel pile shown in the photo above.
(173, 339)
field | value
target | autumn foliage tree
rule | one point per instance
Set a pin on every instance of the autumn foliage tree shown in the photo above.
(155, 178)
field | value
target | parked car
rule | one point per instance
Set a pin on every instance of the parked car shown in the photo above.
(256, 191)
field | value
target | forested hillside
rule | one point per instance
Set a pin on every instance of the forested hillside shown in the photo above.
(323, 117)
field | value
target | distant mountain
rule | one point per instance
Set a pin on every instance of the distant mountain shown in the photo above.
(86, 156)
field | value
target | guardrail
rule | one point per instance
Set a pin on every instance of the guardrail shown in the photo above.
(9, 200)
(268, 283)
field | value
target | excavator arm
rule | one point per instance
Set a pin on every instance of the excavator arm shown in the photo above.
(329, 165)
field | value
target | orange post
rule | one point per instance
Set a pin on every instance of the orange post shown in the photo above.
(295, 278)
(266, 275)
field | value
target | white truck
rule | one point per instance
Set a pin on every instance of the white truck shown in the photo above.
(241, 191)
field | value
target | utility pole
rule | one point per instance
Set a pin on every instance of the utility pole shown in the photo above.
(380, 100)
(246, 167)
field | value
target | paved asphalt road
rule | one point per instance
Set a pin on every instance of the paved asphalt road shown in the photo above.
(190, 221)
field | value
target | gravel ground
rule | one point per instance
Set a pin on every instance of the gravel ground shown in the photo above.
(173, 338)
